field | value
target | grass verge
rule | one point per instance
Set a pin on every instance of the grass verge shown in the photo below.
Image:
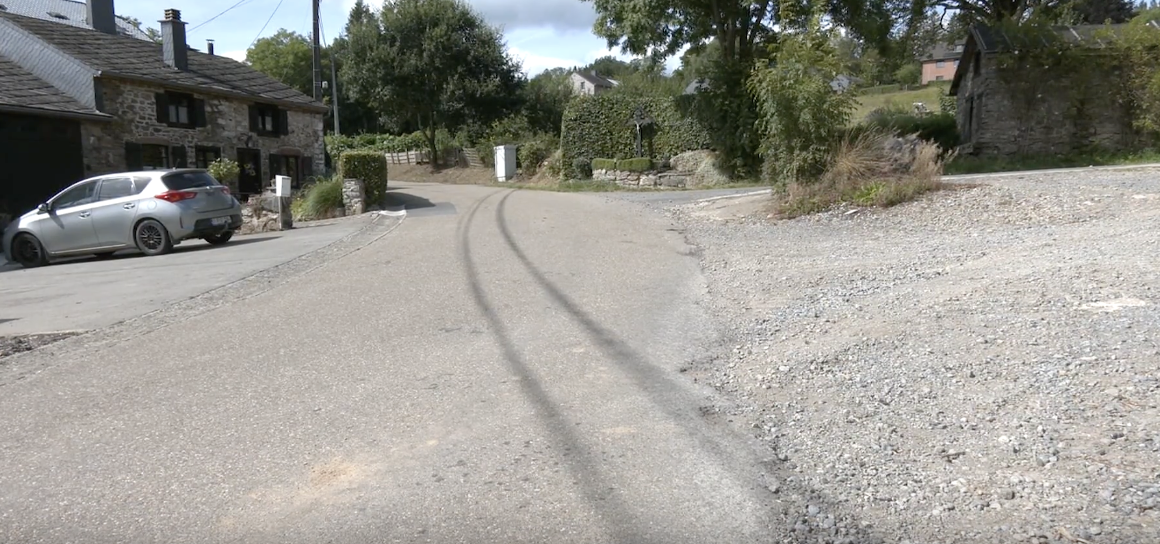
(899, 100)
(988, 165)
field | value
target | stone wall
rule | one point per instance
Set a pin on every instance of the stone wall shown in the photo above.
(647, 180)
(1052, 116)
(227, 127)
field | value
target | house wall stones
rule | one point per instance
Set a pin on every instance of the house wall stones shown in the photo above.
(1039, 115)
(227, 127)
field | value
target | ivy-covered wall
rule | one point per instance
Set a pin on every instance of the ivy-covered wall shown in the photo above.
(598, 127)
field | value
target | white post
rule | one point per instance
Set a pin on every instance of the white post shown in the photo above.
(282, 191)
(505, 162)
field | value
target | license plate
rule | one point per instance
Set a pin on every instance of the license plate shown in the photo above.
(220, 221)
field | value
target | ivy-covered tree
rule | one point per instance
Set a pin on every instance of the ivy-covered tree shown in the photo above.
(433, 62)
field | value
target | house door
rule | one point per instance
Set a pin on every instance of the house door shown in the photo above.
(38, 157)
(250, 171)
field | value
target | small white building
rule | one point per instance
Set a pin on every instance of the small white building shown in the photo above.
(591, 83)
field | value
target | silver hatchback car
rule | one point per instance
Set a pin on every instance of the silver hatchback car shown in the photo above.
(150, 211)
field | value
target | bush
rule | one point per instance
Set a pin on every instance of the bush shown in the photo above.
(604, 164)
(861, 171)
(226, 172)
(533, 153)
(940, 129)
(801, 117)
(555, 165)
(385, 143)
(909, 74)
(581, 168)
(598, 126)
(639, 164)
(322, 199)
(371, 168)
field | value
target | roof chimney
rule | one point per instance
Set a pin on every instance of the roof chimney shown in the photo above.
(209, 46)
(100, 16)
(173, 46)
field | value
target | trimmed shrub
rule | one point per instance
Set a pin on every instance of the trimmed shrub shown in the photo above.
(226, 172)
(639, 164)
(368, 166)
(598, 126)
(386, 143)
(604, 164)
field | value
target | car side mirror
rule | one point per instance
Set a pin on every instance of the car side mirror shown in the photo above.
(43, 208)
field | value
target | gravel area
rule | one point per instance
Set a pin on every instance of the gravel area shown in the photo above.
(982, 365)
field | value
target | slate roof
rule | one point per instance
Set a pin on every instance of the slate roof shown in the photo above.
(943, 51)
(122, 57)
(597, 79)
(67, 12)
(24, 90)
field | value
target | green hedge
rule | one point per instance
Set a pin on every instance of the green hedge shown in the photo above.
(384, 143)
(639, 164)
(598, 126)
(939, 128)
(371, 168)
(604, 164)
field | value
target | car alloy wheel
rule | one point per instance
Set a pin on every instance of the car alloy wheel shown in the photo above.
(152, 238)
(28, 252)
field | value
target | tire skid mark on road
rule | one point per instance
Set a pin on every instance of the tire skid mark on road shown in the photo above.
(22, 366)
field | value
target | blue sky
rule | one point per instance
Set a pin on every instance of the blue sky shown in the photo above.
(542, 34)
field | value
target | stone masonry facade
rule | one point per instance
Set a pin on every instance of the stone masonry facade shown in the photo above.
(1042, 116)
(134, 107)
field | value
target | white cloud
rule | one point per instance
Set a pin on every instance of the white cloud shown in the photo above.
(239, 56)
(533, 64)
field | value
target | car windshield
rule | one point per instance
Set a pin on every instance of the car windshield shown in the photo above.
(180, 181)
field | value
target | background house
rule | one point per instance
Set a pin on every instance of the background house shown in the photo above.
(87, 102)
(72, 13)
(941, 62)
(1043, 113)
(591, 83)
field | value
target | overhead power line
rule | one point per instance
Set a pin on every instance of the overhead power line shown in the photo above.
(225, 11)
(275, 12)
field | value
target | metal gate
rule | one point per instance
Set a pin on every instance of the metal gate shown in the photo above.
(39, 156)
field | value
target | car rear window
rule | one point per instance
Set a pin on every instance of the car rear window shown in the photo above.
(180, 181)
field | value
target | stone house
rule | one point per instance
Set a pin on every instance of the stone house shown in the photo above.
(940, 63)
(1042, 113)
(591, 83)
(77, 102)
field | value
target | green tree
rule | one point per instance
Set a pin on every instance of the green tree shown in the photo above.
(151, 33)
(287, 57)
(545, 99)
(433, 62)
(909, 74)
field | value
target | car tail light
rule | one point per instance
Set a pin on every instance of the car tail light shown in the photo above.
(177, 196)
(225, 189)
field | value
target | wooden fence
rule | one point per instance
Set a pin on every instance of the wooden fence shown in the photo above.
(448, 157)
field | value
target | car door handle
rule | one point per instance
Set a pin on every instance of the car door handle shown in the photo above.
(85, 214)
(129, 206)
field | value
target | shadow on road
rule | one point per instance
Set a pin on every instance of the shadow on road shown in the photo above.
(406, 201)
(127, 254)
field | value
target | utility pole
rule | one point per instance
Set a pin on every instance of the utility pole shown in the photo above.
(334, 91)
(317, 53)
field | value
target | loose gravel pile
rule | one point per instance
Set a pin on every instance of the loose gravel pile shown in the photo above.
(982, 365)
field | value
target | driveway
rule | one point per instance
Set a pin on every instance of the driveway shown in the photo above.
(505, 366)
(86, 294)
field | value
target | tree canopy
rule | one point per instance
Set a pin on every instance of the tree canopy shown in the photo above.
(432, 62)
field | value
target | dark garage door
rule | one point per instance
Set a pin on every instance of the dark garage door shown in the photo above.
(38, 157)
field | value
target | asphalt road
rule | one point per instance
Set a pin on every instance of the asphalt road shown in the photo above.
(86, 294)
(501, 367)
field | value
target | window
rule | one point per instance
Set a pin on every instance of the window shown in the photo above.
(959, 48)
(204, 155)
(956, 63)
(180, 110)
(180, 181)
(285, 165)
(939, 64)
(938, 78)
(116, 188)
(154, 157)
(268, 120)
(77, 196)
(582, 85)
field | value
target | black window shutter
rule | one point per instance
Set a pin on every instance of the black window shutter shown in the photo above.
(283, 122)
(162, 107)
(253, 118)
(274, 170)
(199, 112)
(306, 168)
(178, 157)
(133, 158)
